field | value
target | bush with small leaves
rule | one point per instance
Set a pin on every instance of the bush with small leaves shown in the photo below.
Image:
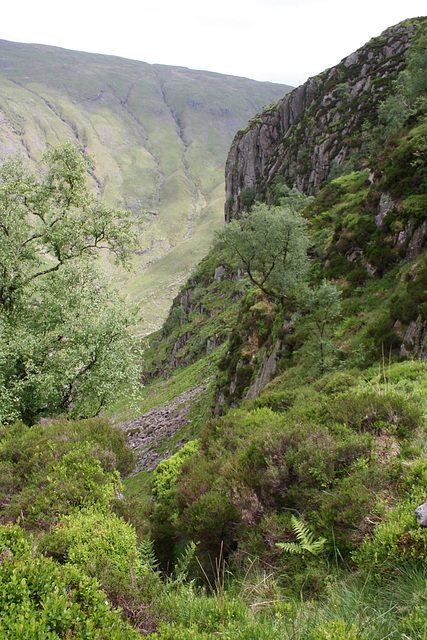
(97, 541)
(167, 471)
(399, 539)
(73, 481)
(336, 629)
(50, 469)
(367, 410)
(164, 514)
(105, 547)
(41, 599)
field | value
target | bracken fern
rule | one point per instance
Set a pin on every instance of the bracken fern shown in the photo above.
(306, 541)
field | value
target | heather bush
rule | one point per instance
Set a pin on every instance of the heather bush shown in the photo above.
(398, 539)
(367, 410)
(52, 468)
(258, 462)
(73, 481)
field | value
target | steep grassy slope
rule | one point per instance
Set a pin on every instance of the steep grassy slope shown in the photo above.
(294, 447)
(362, 238)
(366, 227)
(159, 137)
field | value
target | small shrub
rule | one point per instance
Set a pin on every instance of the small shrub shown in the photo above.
(399, 539)
(384, 338)
(336, 629)
(276, 400)
(167, 471)
(59, 466)
(337, 382)
(247, 197)
(77, 478)
(396, 541)
(41, 599)
(106, 547)
(369, 411)
(343, 512)
(97, 540)
(165, 511)
(209, 519)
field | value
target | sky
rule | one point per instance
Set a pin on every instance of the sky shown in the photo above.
(283, 41)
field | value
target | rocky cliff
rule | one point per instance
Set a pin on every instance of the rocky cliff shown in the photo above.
(367, 226)
(320, 123)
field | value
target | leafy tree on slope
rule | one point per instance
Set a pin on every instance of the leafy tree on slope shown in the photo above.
(64, 339)
(319, 312)
(270, 245)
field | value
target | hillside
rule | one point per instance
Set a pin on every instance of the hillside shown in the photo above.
(159, 137)
(268, 482)
(295, 371)
(362, 224)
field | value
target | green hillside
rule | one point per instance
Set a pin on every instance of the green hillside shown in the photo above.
(159, 137)
(262, 475)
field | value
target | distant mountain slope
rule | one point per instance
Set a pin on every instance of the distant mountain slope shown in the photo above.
(159, 136)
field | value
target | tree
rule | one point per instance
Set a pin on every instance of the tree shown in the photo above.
(320, 308)
(270, 245)
(48, 222)
(282, 195)
(64, 338)
(409, 88)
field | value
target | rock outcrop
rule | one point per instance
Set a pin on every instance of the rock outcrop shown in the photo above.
(421, 514)
(318, 124)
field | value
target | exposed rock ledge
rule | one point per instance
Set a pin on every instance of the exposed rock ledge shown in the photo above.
(318, 123)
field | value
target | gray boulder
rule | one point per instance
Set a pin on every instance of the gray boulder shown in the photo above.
(421, 514)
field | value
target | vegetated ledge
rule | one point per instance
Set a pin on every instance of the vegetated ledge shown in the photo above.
(200, 321)
(319, 122)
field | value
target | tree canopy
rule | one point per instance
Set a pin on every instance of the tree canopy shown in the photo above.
(49, 221)
(64, 339)
(270, 245)
(319, 311)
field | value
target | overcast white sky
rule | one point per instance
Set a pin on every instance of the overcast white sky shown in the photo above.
(277, 40)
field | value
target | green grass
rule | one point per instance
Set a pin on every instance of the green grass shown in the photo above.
(255, 608)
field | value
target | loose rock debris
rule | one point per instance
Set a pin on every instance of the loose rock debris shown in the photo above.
(150, 432)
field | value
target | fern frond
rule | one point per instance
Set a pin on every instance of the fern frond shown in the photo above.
(300, 529)
(306, 541)
(147, 555)
(183, 563)
(290, 547)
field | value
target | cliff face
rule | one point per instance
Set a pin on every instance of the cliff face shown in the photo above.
(318, 123)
